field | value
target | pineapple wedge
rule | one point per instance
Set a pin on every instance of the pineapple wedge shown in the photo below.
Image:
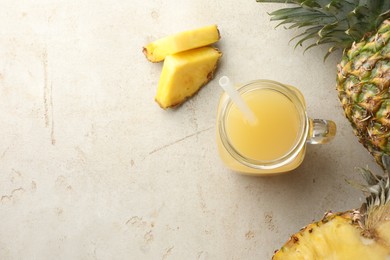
(184, 73)
(183, 41)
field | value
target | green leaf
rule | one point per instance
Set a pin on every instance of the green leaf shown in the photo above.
(277, 1)
(340, 22)
(307, 37)
(330, 51)
(307, 31)
(286, 13)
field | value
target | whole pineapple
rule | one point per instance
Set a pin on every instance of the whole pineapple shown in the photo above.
(354, 234)
(361, 28)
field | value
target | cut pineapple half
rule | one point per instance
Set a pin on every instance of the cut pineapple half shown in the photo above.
(354, 234)
(336, 237)
(183, 41)
(184, 73)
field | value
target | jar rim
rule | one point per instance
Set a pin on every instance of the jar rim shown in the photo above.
(293, 152)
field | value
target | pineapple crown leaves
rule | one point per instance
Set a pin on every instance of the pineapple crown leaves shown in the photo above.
(378, 187)
(336, 22)
(376, 209)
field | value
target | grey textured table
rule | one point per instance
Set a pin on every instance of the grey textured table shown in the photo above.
(92, 168)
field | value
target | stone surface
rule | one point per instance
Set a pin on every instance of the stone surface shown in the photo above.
(92, 168)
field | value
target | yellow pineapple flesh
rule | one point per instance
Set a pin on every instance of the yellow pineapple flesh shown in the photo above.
(184, 73)
(157, 51)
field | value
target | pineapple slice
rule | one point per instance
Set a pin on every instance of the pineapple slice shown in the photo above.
(184, 73)
(158, 50)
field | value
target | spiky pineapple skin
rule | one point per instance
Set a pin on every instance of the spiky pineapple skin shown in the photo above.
(363, 82)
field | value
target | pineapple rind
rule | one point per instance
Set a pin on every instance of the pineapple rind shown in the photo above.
(157, 51)
(366, 103)
(184, 73)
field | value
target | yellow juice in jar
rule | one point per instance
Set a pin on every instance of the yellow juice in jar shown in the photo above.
(276, 132)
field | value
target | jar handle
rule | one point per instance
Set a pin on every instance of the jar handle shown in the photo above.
(321, 131)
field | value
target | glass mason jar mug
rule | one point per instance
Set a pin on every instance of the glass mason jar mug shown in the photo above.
(276, 142)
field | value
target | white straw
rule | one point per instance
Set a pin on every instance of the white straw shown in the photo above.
(227, 86)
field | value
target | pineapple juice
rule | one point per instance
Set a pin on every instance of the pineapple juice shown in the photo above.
(276, 141)
(275, 132)
(273, 142)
